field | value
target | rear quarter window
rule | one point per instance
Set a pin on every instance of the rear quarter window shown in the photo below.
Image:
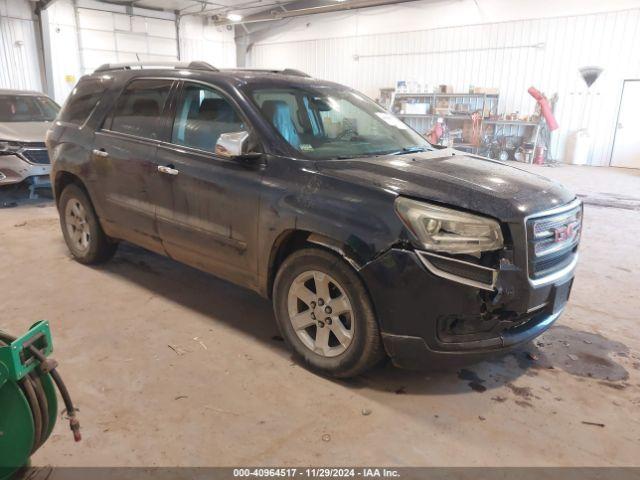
(82, 101)
(140, 107)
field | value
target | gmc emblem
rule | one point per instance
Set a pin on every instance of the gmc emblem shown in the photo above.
(564, 233)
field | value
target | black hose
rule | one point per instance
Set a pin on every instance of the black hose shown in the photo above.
(33, 390)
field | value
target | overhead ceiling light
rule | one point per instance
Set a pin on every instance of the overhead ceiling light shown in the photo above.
(234, 17)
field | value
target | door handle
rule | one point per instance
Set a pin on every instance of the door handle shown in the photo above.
(100, 153)
(169, 170)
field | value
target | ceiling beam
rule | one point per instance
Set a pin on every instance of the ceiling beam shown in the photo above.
(336, 6)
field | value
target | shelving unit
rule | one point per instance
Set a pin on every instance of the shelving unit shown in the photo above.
(447, 106)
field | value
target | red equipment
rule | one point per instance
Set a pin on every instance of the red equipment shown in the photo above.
(545, 108)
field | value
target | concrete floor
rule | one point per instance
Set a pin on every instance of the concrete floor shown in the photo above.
(170, 366)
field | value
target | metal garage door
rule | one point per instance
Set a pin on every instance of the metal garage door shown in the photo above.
(106, 37)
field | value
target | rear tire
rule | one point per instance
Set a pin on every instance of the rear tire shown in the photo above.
(82, 232)
(325, 315)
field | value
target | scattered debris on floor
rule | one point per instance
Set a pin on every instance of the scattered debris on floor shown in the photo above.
(220, 410)
(595, 424)
(524, 392)
(366, 412)
(197, 339)
(179, 351)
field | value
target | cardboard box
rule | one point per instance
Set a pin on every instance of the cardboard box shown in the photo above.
(416, 108)
(485, 91)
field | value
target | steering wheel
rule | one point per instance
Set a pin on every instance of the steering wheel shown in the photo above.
(348, 132)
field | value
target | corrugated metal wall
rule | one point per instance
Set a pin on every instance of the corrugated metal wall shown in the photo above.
(511, 56)
(19, 61)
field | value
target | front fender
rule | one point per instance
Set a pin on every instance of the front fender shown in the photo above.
(357, 220)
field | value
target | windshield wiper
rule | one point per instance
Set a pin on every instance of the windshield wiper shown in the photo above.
(405, 150)
(415, 149)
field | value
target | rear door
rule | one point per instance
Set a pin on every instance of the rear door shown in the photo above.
(208, 205)
(626, 148)
(124, 156)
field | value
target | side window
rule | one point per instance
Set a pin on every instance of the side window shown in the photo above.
(138, 111)
(82, 100)
(202, 116)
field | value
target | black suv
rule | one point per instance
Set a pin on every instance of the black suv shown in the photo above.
(368, 239)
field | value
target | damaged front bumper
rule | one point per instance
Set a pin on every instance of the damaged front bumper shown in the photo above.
(15, 169)
(434, 309)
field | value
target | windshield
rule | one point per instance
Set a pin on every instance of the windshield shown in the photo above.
(327, 123)
(27, 108)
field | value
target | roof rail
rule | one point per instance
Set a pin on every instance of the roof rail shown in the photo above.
(297, 73)
(286, 71)
(196, 65)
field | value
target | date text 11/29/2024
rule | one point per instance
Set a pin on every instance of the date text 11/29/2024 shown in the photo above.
(365, 472)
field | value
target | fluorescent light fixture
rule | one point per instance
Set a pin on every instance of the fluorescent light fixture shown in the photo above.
(234, 17)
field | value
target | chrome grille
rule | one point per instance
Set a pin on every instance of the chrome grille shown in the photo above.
(36, 155)
(553, 240)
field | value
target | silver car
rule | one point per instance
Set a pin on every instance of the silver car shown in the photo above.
(25, 118)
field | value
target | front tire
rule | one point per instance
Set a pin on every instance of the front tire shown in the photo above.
(325, 315)
(82, 232)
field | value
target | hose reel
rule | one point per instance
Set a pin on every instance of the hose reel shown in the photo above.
(28, 402)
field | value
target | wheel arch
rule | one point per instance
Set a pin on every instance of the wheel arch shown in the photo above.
(293, 240)
(62, 180)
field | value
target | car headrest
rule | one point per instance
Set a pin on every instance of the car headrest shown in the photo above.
(6, 109)
(271, 108)
(279, 113)
(217, 109)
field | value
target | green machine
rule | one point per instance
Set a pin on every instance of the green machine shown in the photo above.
(28, 402)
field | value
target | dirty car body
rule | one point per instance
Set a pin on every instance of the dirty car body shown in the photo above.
(239, 218)
(25, 117)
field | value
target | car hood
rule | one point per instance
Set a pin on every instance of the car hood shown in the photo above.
(453, 178)
(23, 131)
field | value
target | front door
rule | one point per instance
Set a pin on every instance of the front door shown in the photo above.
(208, 205)
(124, 159)
(626, 148)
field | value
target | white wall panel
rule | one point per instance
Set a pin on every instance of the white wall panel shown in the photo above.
(63, 49)
(510, 55)
(122, 37)
(200, 41)
(104, 33)
(19, 56)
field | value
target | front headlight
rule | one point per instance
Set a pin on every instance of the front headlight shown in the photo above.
(442, 229)
(8, 148)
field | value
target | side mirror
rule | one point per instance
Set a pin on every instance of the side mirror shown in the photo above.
(236, 146)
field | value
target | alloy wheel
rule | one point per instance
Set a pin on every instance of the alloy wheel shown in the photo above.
(321, 313)
(77, 225)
